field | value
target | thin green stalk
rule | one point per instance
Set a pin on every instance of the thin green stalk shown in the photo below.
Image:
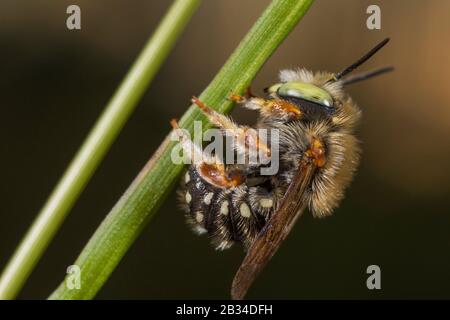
(142, 199)
(94, 148)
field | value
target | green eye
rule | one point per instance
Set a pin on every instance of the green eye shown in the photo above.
(302, 90)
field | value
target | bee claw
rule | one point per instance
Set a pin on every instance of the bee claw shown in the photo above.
(174, 124)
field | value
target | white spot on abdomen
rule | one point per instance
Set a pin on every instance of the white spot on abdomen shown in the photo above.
(266, 203)
(188, 197)
(224, 208)
(187, 177)
(208, 198)
(199, 217)
(245, 210)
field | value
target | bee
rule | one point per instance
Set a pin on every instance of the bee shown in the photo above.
(318, 156)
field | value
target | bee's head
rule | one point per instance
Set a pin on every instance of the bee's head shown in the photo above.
(318, 95)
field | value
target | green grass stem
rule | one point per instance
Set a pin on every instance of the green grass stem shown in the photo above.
(94, 148)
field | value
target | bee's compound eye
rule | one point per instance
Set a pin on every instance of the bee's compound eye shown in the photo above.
(305, 91)
(273, 88)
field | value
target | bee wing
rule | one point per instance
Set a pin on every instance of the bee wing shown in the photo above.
(274, 232)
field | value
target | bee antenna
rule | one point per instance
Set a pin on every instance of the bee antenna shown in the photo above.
(366, 75)
(360, 61)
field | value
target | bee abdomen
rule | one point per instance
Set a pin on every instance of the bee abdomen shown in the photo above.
(226, 215)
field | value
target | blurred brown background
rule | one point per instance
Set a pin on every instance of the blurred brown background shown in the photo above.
(55, 82)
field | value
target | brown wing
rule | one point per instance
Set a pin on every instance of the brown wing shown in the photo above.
(274, 232)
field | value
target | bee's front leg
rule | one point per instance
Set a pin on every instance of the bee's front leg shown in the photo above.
(210, 168)
(273, 108)
(246, 139)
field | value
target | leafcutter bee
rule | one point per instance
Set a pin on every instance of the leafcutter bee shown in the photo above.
(318, 154)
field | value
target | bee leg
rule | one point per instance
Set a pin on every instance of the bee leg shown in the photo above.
(250, 101)
(242, 99)
(246, 138)
(249, 93)
(216, 118)
(269, 107)
(191, 149)
(316, 152)
(210, 168)
(219, 176)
